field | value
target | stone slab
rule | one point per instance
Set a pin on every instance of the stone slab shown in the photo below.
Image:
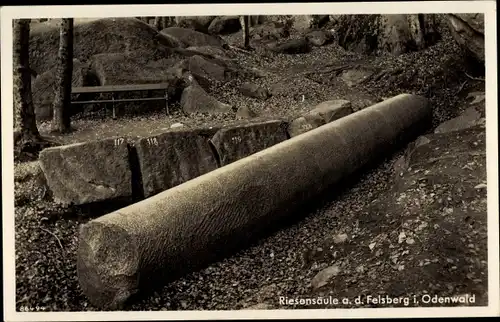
(304, 124)
(240, 141)
(332, 110)
(201, 67)
(174, 157)
(88, 172)
(472, 116)
(321, 114)
(195, 99)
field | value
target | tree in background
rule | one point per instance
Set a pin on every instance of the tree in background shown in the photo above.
(245, 22)
(27, 139)
(159, 23)
(62, 101)
(163, 22)
(167, 22)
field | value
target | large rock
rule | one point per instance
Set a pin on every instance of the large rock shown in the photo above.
(240, 141)
(171, 158)
(44, 90)
(202, 68)
(319, 38)
(182, 71)
(474, 20)
(224, 25)
(321, 114)
(332, 110)
(30, 185)
(198, 23)
(292, 46)
(441, 158)
(133, 68)
(472, 116)
(88, 172)
(468, 31)
(92, 37)
(304, 124)
(218, 56)
(195, 100)
(187, 37)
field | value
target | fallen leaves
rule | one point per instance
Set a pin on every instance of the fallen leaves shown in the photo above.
(322, 278)
(481, 186)
(401, 237)
(410, 241)
(477, 97)
(340, 238)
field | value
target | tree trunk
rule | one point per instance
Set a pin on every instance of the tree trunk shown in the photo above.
(62, 101)
(245, 21)
(390, 33)
(167, 22)
(26, 135)
(158, 23)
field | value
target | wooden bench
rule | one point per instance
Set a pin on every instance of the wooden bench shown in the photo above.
(113, 89)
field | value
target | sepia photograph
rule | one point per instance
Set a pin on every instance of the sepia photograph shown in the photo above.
(253, 160)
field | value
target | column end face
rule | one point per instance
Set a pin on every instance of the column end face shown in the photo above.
(108, 275)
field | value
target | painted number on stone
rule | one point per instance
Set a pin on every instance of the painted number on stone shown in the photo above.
(236, 139)
(119, 141)
(152, 141)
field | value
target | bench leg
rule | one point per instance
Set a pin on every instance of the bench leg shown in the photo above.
(166, 103)
(114, 111)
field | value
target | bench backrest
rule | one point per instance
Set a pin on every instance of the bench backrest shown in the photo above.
(119, 88)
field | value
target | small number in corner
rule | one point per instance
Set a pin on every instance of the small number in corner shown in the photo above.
(25, 308)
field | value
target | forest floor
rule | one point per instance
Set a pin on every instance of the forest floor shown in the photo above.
(357, 232)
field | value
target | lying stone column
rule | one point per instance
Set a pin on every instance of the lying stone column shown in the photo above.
(185, 228)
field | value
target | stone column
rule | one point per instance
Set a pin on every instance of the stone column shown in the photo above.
(191, 225)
